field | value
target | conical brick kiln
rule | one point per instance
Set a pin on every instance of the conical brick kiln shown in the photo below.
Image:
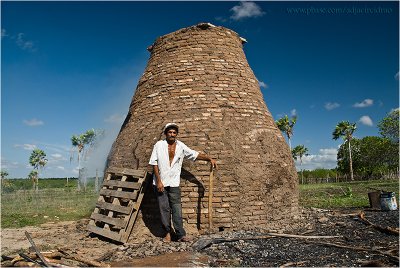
(199, 78)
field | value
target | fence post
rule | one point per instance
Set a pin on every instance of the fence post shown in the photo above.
(96, 184)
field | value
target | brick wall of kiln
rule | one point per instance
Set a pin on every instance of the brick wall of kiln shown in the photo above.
(199, 78)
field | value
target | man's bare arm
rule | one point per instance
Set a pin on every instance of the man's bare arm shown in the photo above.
(159, 184)
(205, 157)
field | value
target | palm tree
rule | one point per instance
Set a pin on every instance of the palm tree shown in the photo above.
(33, 176)
(345, 130)
(79, 142)
(4, 181)
(3, 174)
(38, 161)
(298, 152)
(286, 125)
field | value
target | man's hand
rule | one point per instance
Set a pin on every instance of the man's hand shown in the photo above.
(213, 163)
(160, 186)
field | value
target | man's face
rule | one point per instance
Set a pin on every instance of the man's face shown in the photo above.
(171, 135)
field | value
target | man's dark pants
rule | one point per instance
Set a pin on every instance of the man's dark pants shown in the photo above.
(170, 200)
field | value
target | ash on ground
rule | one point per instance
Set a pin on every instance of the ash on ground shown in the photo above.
(363, 245)
(357, 243)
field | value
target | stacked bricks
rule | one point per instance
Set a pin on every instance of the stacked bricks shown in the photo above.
(199, 78)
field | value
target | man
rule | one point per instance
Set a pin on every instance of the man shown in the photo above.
(166, 159)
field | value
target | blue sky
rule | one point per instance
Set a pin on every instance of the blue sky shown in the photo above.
(67, 67)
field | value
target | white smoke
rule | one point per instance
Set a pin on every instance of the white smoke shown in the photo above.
(96, 157)
(121, 82)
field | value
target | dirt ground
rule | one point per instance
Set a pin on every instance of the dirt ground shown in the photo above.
(363, 244)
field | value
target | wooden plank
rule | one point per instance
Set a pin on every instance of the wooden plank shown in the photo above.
(45, 262)
(103, 232)
(118, 223)
(135, 210)
(122, 184)
(127, 171)
(120, 194)
(117, 208)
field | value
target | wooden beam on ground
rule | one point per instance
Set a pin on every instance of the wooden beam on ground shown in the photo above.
(387, 230)
(45, 262)
(206, 242)
(393, 257)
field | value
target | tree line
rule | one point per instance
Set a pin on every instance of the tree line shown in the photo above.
(366, 158)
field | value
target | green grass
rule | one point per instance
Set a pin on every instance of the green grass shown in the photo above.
(26, 207)
(12, 185)
(51, 204)
(343, 194)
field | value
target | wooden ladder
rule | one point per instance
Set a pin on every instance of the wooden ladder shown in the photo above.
(118, 204)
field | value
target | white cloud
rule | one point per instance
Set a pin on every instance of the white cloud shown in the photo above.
(6, 164)
(331, 105)
(366, 120)
(57, 156)
(24, 44)
(61, 167)
(115, 118)
(328, 151)
(262, 84)
(326, 158)
(55, 159)
(293, 113)
(364, 103)
(13, 167)
(33, 122)
(58, 148)
(26, 146)
(396, 76)
(246, 10)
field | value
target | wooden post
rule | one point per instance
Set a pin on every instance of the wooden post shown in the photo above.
(210, 197)
(96, 185)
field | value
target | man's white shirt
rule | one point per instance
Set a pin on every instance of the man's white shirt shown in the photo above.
(170, 174)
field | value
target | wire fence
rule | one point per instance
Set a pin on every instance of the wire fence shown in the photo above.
(346, 178)
(22, 207)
